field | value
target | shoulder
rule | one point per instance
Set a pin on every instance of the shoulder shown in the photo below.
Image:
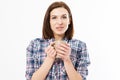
(77, 43)
(38, 40)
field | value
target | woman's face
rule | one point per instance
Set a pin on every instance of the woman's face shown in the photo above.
(59, 21)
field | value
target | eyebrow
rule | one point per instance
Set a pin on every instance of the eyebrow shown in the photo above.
(62, 15)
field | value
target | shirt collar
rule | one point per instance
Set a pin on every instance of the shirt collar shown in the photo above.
(53, 39)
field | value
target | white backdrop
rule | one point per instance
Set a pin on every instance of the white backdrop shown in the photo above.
(96, 22)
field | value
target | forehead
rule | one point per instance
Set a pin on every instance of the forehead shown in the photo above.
(59, 11)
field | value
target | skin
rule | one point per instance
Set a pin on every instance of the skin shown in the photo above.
(59, 21)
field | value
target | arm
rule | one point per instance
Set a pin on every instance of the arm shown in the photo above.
(72, 73)
(29, 61)
(81, 65)
(42, 72)
(83, 60)
(63, 51)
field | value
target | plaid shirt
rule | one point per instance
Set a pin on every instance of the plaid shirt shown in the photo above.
(36, 55)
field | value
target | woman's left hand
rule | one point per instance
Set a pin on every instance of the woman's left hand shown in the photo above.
(63, 51)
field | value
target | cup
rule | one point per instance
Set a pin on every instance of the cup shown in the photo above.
(57, 43)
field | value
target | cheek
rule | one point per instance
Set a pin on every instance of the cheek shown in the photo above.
(51, 25)
(67, 25)
(66, 28)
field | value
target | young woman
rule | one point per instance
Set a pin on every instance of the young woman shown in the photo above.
(57, 56)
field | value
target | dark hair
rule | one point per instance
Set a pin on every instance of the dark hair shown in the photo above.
(47, 32)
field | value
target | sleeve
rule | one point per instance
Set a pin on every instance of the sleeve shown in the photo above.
(29, 61)
(82, 60)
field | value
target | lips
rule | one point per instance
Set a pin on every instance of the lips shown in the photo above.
(59, 28)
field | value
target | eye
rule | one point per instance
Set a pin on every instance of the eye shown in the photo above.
(64, 17)
(53, 17)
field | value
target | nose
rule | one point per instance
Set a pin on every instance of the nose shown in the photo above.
(59, 21)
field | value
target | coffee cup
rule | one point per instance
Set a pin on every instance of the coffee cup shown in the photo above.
(57, 43)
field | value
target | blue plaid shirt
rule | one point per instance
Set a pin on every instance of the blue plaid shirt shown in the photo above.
(35, 57)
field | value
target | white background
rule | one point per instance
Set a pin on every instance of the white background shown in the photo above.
(96, 22)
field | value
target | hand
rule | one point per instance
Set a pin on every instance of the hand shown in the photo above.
(50, 51)
(63, 51)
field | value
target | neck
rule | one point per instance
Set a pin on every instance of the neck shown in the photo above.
(58, 37)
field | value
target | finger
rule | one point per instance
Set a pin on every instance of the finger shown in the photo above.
(64, 51)
(66, 46)
(52, 43)
(50, 49)
(61, 48)
(54, 53)
(61, 52)
(61, 56)
(47, 49)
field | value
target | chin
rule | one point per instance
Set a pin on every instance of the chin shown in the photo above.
(60, 33)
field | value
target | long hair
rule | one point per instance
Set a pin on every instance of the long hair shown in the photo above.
(47, 32)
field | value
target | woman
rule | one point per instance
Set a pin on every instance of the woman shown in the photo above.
(47, 60)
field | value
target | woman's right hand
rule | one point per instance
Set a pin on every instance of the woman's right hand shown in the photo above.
(50, 51)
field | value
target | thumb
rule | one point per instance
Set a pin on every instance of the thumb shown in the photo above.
(52, 43)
